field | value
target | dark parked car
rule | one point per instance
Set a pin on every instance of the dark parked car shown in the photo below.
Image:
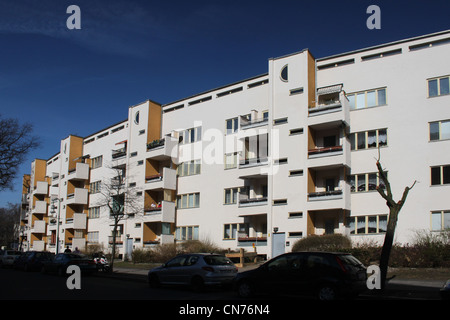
(196, 270)
(32, 260)
(62, 260)
(324, 275)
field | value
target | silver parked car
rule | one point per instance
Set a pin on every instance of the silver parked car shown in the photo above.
(196, 269)
(8, 257)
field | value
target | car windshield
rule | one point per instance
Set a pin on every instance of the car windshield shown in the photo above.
(217, 260)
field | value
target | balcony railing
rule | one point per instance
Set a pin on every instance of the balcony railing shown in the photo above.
(246, 202)
(324, 150)
(253, 161)
(325, 195)
(119, 153)
(156, 143)
(245, 123)
(154, 178)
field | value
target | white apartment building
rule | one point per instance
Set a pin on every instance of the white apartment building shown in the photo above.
(263, 162)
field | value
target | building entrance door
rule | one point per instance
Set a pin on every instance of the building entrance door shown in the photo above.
(278, 244)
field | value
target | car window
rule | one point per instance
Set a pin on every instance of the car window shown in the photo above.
(349, 260)
(286, 263)
(217, 260)
(190, 261)
(176, 262)
(317, 262)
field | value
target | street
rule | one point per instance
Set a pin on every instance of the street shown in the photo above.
(20, 285)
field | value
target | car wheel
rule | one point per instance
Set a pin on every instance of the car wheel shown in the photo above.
(153, 281)
(197, 284)
(327, 292)
(245, 289)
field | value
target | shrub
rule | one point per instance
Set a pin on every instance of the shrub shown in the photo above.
(204, 246)
(329, 242)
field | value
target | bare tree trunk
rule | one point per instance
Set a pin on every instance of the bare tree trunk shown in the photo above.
(387, 245)
(394, 210)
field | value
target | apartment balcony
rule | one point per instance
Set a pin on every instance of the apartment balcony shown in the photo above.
(163, 149)
(331, 106)
(79, 196)
(328, 145)
(328, 188)
(39, 227)
(160, 181)
(118, 240)
(78, 221)
(165, 212)
(157, 233)
(41, 188)
(253, 232)
(80, 172)
(40, 207)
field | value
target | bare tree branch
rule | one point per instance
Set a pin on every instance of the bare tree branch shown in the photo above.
(15, 143)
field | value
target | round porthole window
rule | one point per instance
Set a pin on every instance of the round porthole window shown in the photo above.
(284, 73)
(136, 118)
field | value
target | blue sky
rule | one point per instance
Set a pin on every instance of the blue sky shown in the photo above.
(128, 51)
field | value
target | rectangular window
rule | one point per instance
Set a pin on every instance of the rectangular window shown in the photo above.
(187, 233)
(368, 139)
(92, 237)
(231, 160)
(189, 200)
(365, 182)
(440, 220)
(367, 99)
(440, 130)
(232, 125)
(191, 135)
(234, 230)
(438, 86)
(97, 162)
(94, 213)
(440, 175)
(230, 195)
(368, 224)
(189, 168)
(94, 187)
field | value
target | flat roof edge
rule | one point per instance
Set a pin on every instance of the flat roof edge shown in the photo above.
(384, 45)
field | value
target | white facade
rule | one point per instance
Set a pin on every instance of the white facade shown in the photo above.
(266, 161)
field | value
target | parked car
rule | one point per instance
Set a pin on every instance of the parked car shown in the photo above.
(8, 256)
(63, 260)
(32, 260)
(445, 291)
(197, 270)
(324, 275)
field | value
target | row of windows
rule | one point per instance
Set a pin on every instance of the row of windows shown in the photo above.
(368, 139)
(358, 225)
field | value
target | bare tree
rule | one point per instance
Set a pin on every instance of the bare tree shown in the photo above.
(394, 210)
(120, 199)
(16, 140)
(9, 228)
